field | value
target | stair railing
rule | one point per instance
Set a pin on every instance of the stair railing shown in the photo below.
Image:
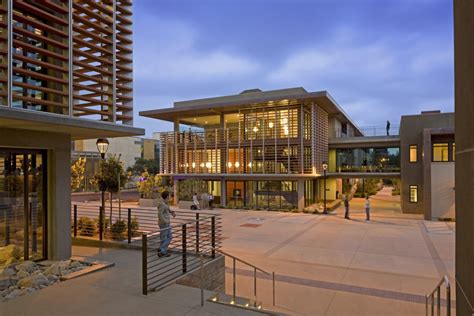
(431, 298)
(234, 260)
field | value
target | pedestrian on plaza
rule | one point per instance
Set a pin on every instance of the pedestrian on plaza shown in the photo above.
(367, 208)
(388, 128)
(164, 221)
(210, 198)
(196, 202)
(346, 206)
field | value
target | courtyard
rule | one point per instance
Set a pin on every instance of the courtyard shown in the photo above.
(324, 265)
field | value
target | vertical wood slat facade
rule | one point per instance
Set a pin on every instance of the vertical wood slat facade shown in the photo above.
(75, 63)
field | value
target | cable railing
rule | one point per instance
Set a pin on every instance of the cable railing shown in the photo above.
(189, 239)
(120, 224)
(430, 298)
(219, 298)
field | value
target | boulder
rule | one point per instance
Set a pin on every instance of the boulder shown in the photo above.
(22, 274)
(8, 253)
(75, 264)
(5, 282)
(35, 281)
(58, 268)
(28, 266)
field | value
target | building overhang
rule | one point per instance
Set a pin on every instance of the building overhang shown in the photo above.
(364, 175)
(235, 177)
(364, 142)
(77, 128)
(217, 106)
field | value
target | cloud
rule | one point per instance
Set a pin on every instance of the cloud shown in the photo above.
(170, 52)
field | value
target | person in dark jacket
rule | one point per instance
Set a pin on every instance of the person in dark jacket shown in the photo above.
(388, 128)
(164, 221)
(346, 206)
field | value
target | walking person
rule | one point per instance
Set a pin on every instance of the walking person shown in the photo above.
(388, 128)
(196, 202)
(367, 208)
(211, 200)
(346, 206)
(164, 221)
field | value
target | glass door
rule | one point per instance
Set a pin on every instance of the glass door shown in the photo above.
(22, 202)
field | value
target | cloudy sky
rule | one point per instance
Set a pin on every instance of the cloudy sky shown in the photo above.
(379, 59)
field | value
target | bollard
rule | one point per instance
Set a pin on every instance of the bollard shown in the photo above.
(129, 225)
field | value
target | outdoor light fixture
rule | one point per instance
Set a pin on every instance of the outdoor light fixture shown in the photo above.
(102, 146)
(237, 164)
(325, 168)
(202, 165)
(250, 164)
(255, 129)
(208, 165)
(193, 165)
(229, 164)
(270, 124)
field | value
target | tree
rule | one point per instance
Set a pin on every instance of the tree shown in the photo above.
(141, 165)
(107, 178)
(148, 184)
(78, 169)
(188, 187)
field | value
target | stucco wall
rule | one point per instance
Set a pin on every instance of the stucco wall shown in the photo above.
(130, 148)
(59, 183)
(442, 190)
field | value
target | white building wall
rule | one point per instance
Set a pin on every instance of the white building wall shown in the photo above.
(442, 190)
(130, 148)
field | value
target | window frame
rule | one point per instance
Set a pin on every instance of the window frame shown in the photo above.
(410, 147)
(410, 187)
(433, 150)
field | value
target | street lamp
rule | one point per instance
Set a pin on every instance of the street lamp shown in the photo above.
(102, 146)
(325, 168)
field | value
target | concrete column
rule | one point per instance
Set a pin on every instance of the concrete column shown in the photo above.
(300, 191)
(223, 192)
(59, 199)
(176, 126)
(176, 191)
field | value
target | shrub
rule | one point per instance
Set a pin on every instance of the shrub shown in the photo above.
(134, 227)
(86, 226)
(118, 228)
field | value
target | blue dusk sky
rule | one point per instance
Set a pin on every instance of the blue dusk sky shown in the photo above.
(379, 59)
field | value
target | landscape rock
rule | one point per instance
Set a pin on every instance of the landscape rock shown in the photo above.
(13, 294)
(22, 274)
(5, 282)
(8, 272)
(28, 266)
(35, 281)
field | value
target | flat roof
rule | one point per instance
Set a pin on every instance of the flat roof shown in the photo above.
(248, 98)
(78, 128)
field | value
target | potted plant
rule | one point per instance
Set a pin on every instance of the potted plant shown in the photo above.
(148, 187)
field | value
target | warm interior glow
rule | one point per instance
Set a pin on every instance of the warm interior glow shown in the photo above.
(270, 124)
(255, 129)
(208, 165)
(193, 164)
(229, 164)
(237, 164)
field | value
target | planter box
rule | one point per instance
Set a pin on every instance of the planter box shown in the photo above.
(148, 202)
(185, 205)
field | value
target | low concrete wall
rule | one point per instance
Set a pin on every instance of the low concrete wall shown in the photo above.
(214, 276)
(442, 190)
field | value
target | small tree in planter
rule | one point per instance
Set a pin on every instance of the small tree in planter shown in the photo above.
(148, 186)
(78, 169)
(110, 174)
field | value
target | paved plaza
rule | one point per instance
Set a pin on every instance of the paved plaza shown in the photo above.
(325, 265)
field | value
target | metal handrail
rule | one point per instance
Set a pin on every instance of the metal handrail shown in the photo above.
(431, 297)
(234, 259)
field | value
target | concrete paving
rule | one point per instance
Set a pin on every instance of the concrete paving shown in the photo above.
(325, 265)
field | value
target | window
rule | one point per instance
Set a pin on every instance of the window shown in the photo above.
(413, 153)
(413, 194)
(441, 152)
(454, 151)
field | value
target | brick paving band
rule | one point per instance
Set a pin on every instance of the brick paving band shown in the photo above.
(387, 294)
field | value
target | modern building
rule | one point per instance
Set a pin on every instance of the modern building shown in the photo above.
(65, 75)
(261, 149)
(464, 109)
(265, 149)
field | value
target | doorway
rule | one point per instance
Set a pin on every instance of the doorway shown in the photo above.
(23, 201)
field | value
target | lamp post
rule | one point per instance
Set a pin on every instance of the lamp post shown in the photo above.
(325, 168)
(102, 147)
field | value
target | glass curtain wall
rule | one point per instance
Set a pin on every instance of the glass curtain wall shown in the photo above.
(23, 202)
(368, 160)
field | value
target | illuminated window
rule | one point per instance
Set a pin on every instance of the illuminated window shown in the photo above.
(413, 194)
(441, 152)
(413, 153)
(454, 151)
